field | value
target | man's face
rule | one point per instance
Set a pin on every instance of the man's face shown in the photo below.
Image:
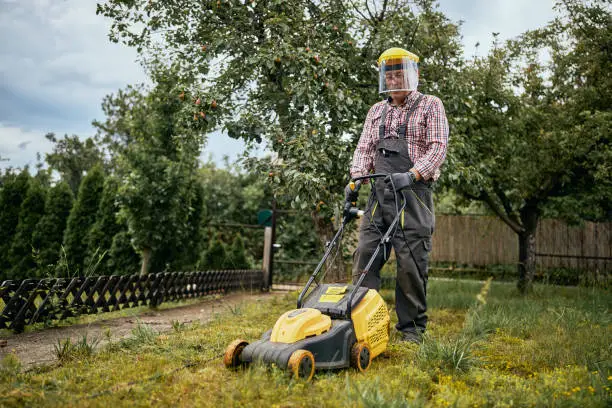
(395, 79)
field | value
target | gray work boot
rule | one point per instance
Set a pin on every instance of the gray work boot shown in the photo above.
(411, 337)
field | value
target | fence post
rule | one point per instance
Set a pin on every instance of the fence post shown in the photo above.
(267, 258)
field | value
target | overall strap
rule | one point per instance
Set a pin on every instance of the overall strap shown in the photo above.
(402, 129)
(383, 119)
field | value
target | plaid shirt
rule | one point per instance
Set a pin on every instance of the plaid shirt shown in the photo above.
(426, 135)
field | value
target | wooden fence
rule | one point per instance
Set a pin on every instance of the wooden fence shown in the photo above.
(483, 240)
(33, 300)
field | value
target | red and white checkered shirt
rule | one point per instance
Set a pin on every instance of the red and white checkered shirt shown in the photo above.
(426, 135)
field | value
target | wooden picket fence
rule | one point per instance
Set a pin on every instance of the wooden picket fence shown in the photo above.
(32, 300)
(484, 240)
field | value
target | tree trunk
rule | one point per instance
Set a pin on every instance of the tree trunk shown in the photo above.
(527, 248)
(146, 261)
(335, 262)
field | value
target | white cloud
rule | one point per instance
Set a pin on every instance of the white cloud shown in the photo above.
(20, 146)
(509, 18)
(59, 56)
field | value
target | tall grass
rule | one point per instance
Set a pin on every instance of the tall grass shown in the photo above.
(65, 350)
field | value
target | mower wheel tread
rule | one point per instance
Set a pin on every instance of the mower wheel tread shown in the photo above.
(231, 358)
(361, 356)
(302, 364)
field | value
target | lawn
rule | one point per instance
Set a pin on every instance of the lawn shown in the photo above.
(486, 346)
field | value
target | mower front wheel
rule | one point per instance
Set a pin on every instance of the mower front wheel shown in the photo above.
(231, 359)
(302, 365)
(361, 357)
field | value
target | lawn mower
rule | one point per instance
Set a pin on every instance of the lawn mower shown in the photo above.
(334, 325)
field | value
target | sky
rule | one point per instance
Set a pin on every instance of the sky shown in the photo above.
(57, 64)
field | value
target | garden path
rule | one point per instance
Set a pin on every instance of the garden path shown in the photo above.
(37, 347)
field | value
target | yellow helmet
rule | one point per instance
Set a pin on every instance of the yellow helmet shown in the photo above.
(399, 71)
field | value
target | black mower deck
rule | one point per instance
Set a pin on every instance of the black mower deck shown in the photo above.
(331, 349)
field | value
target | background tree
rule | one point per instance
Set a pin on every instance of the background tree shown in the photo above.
(81, 219)
(14, 190)
(297, 74)
(157, 169)
(100, 236)
(236, 257)
(72, 158)
(531, 137)
(122, 258)
(215, 257)
(48, 233)
(233, 196)
(32, 210)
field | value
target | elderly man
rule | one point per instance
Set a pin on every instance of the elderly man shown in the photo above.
(404, 136)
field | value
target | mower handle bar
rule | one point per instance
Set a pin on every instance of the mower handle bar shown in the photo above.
(374, 175)
(386, 238)
(333, 243)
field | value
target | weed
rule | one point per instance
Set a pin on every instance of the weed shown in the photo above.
(371, 394)
(143, 333)
(10, 367)
(177, 326)
(450, 354)
(235, 310)
(66, 350)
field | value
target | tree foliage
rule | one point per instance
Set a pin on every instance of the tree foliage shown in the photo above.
(158, 147)
(14, 190)
(122, 258)
(31, 211)
(531, 136)
(106, 226)
(48, 234)
(296, 74)
(72, 158)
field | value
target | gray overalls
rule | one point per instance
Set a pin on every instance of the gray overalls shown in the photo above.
(412, 239)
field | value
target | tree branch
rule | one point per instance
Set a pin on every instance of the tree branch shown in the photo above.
(372, 17)
(359, 12)
(382, 12)
(516, 227)
(505, 202)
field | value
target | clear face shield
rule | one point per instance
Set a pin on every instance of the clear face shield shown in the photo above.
(398, 74)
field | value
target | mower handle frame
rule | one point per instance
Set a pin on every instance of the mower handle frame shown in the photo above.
(345, 220)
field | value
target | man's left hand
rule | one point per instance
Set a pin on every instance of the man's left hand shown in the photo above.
(400, 180)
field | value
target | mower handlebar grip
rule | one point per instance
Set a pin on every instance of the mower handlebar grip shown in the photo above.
(369, 176)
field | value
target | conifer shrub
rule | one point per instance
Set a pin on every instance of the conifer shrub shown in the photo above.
(48, 233)
(82, 217)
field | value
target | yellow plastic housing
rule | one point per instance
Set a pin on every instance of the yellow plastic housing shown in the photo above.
(298, 324)
(371, 321)
(397, 53)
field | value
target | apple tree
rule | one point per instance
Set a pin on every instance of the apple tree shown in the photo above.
(531, 135)
(296, 75)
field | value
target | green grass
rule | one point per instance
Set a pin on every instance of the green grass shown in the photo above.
(484, 347)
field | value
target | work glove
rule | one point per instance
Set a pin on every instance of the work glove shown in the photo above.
(400, 180)
(351, 195)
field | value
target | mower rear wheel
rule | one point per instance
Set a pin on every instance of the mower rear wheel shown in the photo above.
(302, 364)
(361, 357)
(231, 359)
